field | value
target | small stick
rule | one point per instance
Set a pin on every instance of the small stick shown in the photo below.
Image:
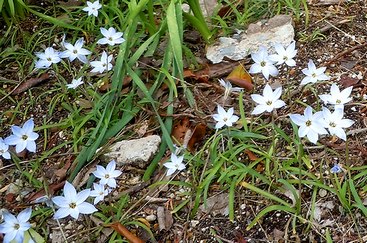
(334, 59)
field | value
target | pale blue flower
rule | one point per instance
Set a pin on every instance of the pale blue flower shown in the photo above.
(263, 64)
(335, 123)
(268, 101)
(14, 227)
(284, 55)
(99, 192)
(176, 163)
(47, 58)
(313, 74)
(4, 149)
(73, 203)
(310, 125)
(92, 8)
(23, 137)
(108, 174)
(75, 83)
(336, 169)
(103, 65)
(75, 51)
(337, 97)
(225, 118)
(111, 37)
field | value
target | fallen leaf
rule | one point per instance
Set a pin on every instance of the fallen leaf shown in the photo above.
(52, 189)
(179, 130)
(122, 230)
(61, 173)
(251, 155)
(30, 83)
(164, 217)
(197, 135)
(241, 78)
(239, 238)
(347, 81)
(217, 204)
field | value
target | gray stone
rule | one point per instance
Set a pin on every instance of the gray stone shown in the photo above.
(137, 151)
(278, 29)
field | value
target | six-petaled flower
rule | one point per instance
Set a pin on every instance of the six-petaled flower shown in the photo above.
(284, 55)
(92, 8)
(99, 192)
(335, 123)
(14, 227)
(75, 83)
(263, 64)
(108, 174)
(111, 37)
(73, 203)
(176, 163)
(23, 137)
(4, 147)
(313, 74)
(75, 51)
(336, 97)
(310, 125)
(103, 65)
(47, 58)
(225, 118)
(268, 101)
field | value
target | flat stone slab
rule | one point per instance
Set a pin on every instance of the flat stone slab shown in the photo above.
(278, 29)
(137, 151)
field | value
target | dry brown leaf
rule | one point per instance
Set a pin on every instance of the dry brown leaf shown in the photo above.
(347, 81)
(197, 135)
(179, 130)
(30, 83)
(52, 189)
(251, 155)
(122, 230)
(241, 78)
(165, 219)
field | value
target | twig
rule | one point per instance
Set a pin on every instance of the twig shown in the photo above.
(334, 59)
(356, 131)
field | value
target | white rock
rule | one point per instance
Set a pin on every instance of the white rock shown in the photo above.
(151, 218)
(136, 151)
(278, 29)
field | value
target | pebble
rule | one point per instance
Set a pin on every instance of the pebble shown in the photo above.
(151, 218)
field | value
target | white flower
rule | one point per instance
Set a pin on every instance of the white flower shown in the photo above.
(75, 83)
(335, 123)
(108, 174)
(99, 192)
(103, 65)
(336, 97)
(225, 117)
(311, 125)
(313, 74)
(4, 147)
(111, 37)
(268, 101)
(14, 227)
(336, 169)
(73, 203)
(75, 51)
(47, 58)
(23, 137)
(284, 55)
(175, 164)
(228, 88)
(263, 64)
(92, 8)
